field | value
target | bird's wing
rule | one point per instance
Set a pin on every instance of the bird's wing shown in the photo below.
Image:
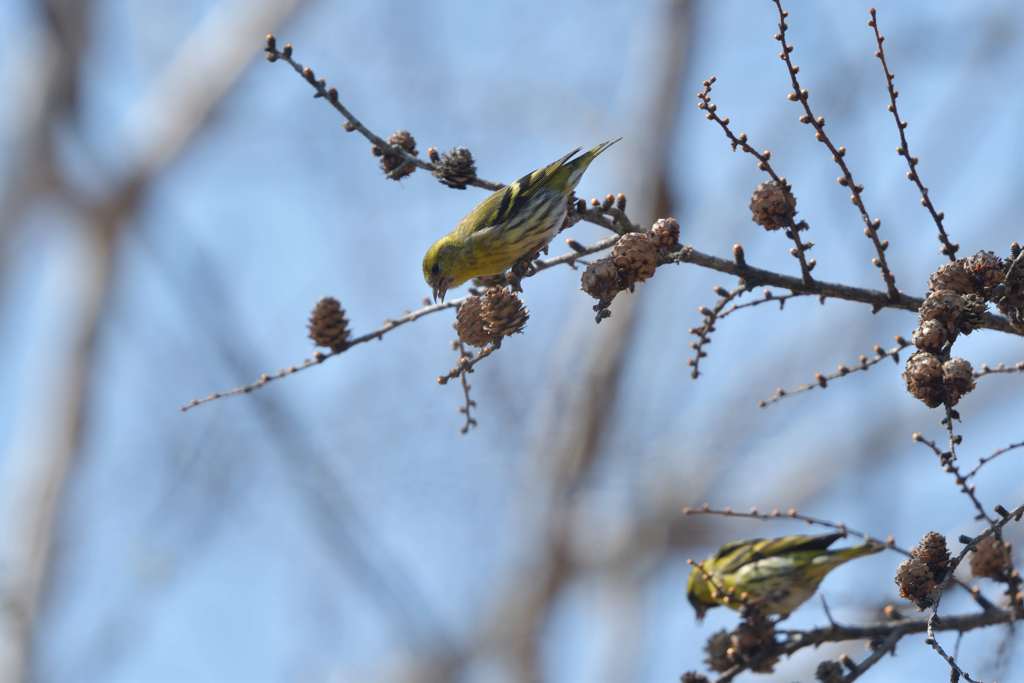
(732, 556)
(796, 543)
(505, 202)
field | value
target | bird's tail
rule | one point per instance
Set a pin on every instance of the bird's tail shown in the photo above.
(578, 166)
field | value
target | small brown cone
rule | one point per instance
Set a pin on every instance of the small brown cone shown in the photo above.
(952, 276)
(1010, 296)
(957, 379)
(945, 306)
(932, 550)
(753, 642)
(986, 269)
(930, 336)
(503, 313)
(717, 651)
(635, 256)
(601, 280)
(665, 234)
(456, 168)
(394, 165)
(469, 322)
(924, 378)
(974, 309)
(830, 671)
(328, 326)
(772, 205)
(915, 582)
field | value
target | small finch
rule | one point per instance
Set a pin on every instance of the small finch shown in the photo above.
(513, 223)
(777, 575)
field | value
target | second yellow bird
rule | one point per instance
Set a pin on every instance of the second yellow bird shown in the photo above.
(776, 575)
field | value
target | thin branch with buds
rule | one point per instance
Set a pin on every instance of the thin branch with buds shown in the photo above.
(770, 297)
(711, 316)
(1001, 369)
(468, 403)
(616, 221)
(792, 513)
(320, 356)
(353, 124)
(801, 95)
(989, 458)
(948, 247)
(793, 228)
(948, 461)
(821, 381)
(467, 362)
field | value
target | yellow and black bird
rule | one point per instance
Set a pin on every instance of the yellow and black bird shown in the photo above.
(511, 224)
(776, 575)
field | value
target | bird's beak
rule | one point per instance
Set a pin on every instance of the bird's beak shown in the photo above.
(698, 607)
(441, 288)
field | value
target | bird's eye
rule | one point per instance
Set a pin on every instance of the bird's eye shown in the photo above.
(435, 269)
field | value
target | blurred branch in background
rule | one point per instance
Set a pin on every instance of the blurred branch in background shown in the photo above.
(173, 113)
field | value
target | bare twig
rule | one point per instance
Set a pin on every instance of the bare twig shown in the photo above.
(948, 461)
(822, 380)
(948, 247)
(956, 673)
(467, 362)
(351, 122)
(320, 357)
(792, 513)
(1001, 369)
(468, 403)
(990, 458)
(711, 316)
(887, 646)
(767, 298)
(799, 94)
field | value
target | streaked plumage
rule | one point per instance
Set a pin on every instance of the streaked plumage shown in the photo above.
(777, 574)
(512, 223)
